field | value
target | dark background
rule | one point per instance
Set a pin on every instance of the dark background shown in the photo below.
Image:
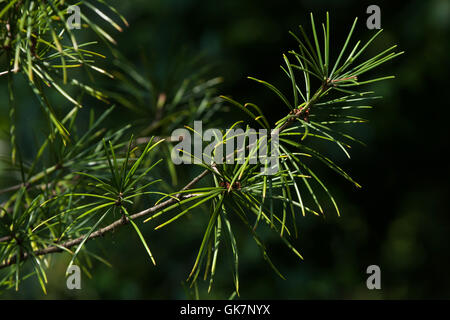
(399, 220)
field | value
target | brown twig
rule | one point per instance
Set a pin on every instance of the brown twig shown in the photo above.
(5, 238)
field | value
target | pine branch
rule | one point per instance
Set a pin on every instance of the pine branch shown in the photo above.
(237, 188)
(120, 222)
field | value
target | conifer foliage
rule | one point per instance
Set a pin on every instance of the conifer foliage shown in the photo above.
(83, 182)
